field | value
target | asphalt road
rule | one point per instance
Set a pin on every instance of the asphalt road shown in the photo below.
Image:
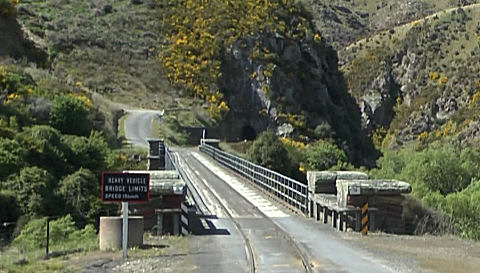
(272, 249)
(138, 126)
(274, 232)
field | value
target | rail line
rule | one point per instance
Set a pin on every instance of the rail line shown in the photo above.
(299, 253)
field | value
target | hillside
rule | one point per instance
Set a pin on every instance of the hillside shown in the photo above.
(109, 46)
(55, 139)
(343, 22)
(419, 83)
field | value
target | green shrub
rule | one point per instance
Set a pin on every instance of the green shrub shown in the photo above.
(323, 155)
(438, 168)
(80, 192)
(324, 131)
(70, 114)
(63, 235)
(90, 153)
(441, 176)
(464, 207)
(12, 157)
(268, 151)
(34, 188)
(45, 149)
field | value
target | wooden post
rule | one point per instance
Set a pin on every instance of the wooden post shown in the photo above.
(48, 237)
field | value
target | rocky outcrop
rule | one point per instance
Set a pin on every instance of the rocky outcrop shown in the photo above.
(14, 44)
(290, 86)
(417, 85)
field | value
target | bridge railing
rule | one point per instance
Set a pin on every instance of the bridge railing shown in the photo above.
(293, 192)
(170, 161)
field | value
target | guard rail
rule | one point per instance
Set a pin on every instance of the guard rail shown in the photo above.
(292, 192)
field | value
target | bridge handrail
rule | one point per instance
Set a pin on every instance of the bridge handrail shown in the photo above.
(291, 191)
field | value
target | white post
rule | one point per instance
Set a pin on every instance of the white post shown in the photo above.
(125, 230)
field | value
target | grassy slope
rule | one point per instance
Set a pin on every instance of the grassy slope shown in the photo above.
(113, 53)
(343, 22)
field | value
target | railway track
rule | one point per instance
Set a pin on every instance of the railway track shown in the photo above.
(253, 244)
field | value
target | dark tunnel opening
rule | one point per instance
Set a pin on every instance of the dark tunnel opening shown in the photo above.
(248, 133)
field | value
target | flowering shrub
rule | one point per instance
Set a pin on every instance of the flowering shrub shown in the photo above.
(199, 31)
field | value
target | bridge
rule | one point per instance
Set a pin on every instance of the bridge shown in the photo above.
(257, 220)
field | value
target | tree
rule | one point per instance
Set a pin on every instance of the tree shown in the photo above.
(35, 189)
(12, 157)
(90, 153)
(70, 115)
(45, 149)
(438, 168)
(80, 192)
(323, 155)
(268, 151)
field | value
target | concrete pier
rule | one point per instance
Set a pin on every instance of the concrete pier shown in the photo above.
(110, 234)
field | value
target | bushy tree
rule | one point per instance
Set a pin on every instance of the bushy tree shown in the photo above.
(438, 168)
(464, 207)
(441, 175)
(12, 157)
(80, 192)
(35, 191)
(323, 155)
(90, 153)
(268, 151)
(70, 115)
(45, 149)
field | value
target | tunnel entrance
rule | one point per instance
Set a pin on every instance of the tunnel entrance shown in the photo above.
(248, 133)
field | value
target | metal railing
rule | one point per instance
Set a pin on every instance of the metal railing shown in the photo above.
(293, 192)
(170, 160)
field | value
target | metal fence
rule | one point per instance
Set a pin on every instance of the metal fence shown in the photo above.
(170, 160)
(292, 192)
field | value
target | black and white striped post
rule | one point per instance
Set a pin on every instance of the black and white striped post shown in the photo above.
(365, 219)
(185, 230)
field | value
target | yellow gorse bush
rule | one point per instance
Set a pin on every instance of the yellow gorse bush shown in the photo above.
(198, 31)
(293, 143)
(84, 98)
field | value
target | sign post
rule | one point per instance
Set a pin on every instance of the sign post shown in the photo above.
(125, 187)
(125, 230)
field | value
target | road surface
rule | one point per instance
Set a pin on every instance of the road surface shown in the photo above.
(281, 240)
(138, 126)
